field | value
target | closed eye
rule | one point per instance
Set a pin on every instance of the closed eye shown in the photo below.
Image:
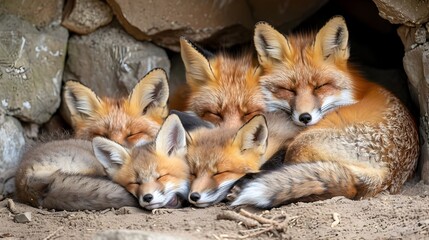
(162, 176)
(286, 89)
(212, 116)
(320, 86)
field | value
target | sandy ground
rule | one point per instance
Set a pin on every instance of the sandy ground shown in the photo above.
(403, 216)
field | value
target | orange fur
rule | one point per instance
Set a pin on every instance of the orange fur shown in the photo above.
(359, 138)
(222, 88)
(76, 174)
(220, 156)
(125, 120)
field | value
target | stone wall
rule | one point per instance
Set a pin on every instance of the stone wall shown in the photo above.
(413, 18)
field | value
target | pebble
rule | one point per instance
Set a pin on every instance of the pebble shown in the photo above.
(23, 217)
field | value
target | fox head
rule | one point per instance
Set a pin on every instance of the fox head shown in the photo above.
(305, 75)
(224, 89)
(219, 157)
(125, 120)
(156, 173)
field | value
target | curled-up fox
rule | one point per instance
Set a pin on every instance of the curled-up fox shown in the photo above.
(76, 174)
(123, 120)
(359, 139)
(218, 157)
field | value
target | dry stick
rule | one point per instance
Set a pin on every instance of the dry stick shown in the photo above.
(52, 234)
(231, 215)
(257, 233)
(336, 218)
(260, 219)
(11, 206)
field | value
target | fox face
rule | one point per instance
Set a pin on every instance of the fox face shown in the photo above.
(156, 173)
(125, 121)
(223, 89)
(219, 157)
(305, 75)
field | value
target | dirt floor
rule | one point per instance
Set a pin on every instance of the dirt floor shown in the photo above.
(404, 216)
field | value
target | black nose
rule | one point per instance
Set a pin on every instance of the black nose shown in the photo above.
(305, 118)
(147, 197)
(195, 196)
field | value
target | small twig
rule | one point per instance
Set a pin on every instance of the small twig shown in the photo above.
(336, 218)
(264, 230)
(231, 215)
(260, 219)
(52, 234)
(11, 206)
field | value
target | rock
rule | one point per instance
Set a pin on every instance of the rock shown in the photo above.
(420, 35)
(23, 217)
(31, 69)
(129, 210)
(409, 12)
(111, 62)
(41, 13)
(284, 14)
(407, 36)
(85, 16)
(416, 66)
(12, 142)
(164, 21)
(211, 22)
(135, 235)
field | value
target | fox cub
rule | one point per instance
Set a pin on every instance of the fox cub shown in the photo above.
(125, 120)
(222, 88)
(219, 157)
(76, 174)
(359, 139)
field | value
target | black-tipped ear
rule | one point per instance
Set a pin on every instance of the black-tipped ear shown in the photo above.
(270, 44)
(198, 69)
(171, 138)
(110, 154)
(253, 135)
(151, 92)
(80, 100)
(332, 39)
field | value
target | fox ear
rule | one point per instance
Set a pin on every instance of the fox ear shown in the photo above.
(151, 93)
(270, 44)
(253, 135)
(332, 39)
(81, 101)
(197, 66)
(110, 154)
(171, 138)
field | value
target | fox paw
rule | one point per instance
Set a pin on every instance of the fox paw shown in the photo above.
(233, 194)
(162, 211)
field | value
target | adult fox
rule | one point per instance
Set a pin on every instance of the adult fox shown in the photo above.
(359, 138)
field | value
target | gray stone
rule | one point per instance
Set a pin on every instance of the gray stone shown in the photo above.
(416, 66)
(212, 22)
(408, 12)
(111, 62)
(135, 235)
(407, 37)
(85, 16)
(23, 217)
(12, 142)
(41, 13)
(31, 67)
(420, 35)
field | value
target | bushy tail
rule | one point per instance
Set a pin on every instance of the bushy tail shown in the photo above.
(298, 182)
(76, 192)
